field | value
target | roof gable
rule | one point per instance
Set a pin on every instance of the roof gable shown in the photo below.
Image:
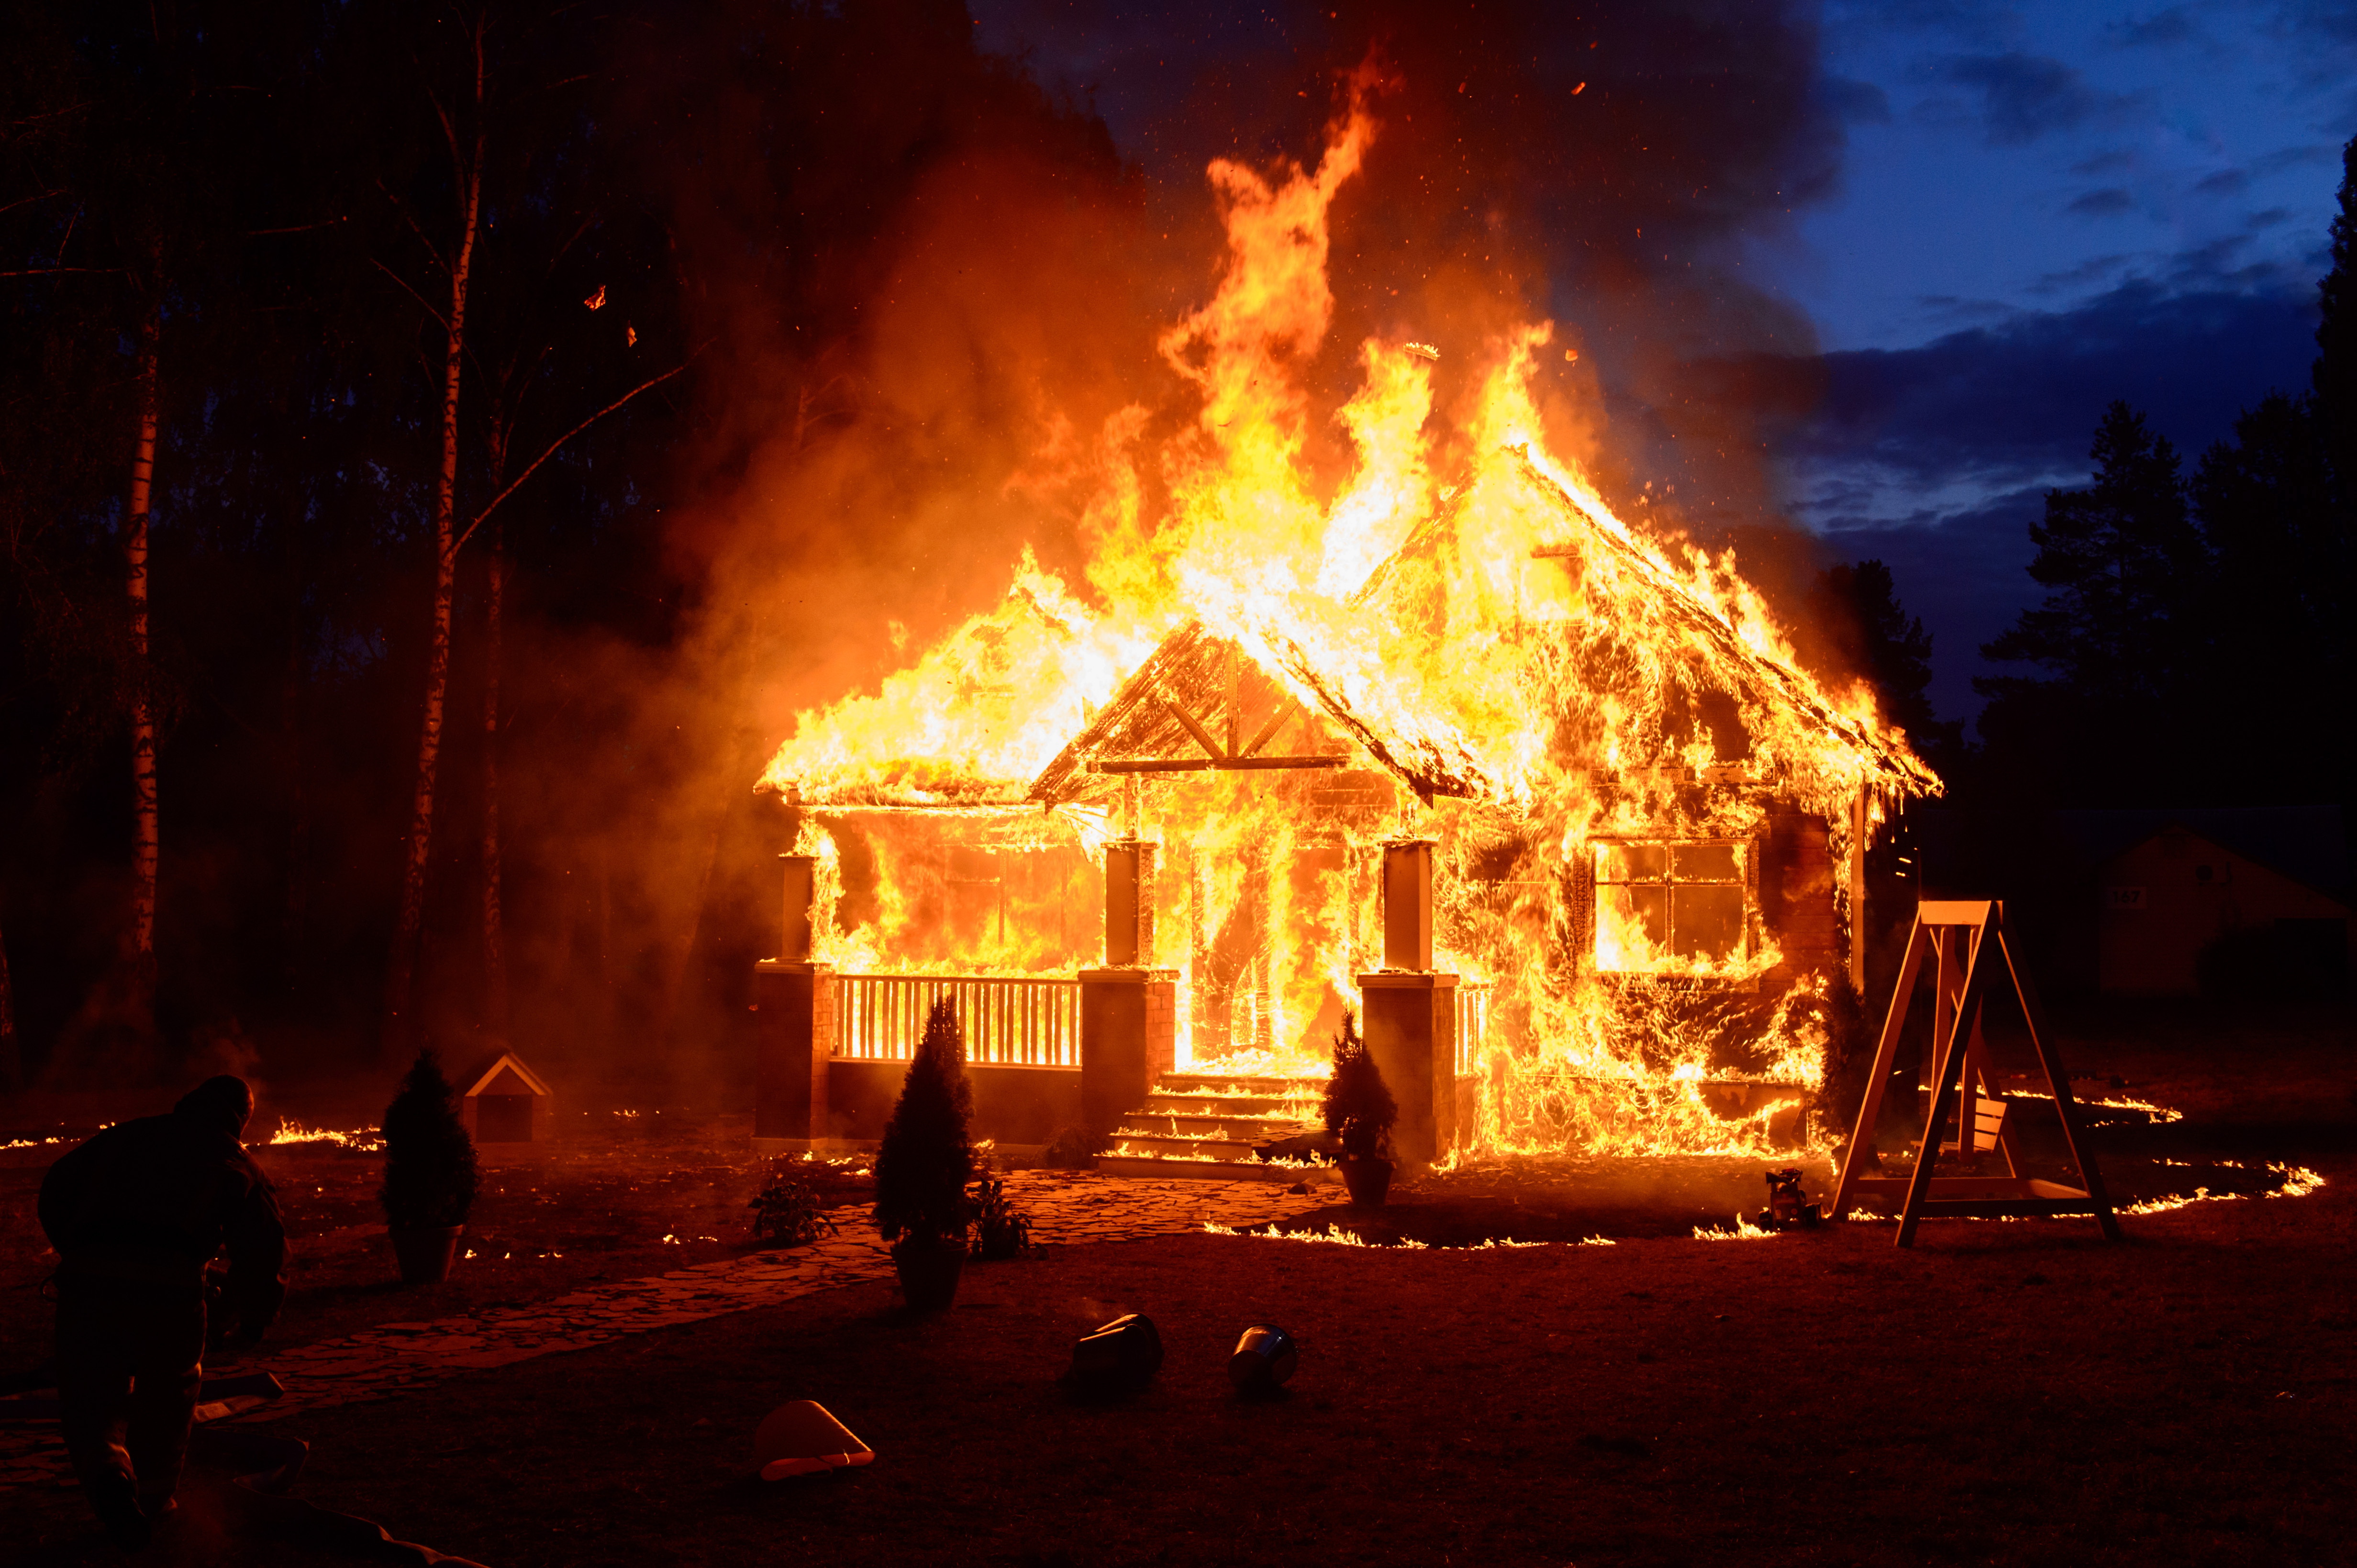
(507, 1061)
(1248, 700)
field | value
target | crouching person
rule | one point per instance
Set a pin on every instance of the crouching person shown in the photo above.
(135, 1214)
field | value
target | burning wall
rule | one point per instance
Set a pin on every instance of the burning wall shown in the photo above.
(1628, 773)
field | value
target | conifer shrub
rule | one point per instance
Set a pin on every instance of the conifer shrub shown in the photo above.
(430, 1174)
(1359, 1106)
(927, 1158)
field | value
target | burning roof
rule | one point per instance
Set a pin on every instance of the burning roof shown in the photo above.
(1607, 729)
(969, 724)
(1254, 700)
(1505, 638)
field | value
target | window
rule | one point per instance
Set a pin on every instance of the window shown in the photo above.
(1668, 907)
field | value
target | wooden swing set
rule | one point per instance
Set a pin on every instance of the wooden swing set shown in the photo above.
(1966, 940)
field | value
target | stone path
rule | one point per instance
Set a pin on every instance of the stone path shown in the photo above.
(1066, 1209)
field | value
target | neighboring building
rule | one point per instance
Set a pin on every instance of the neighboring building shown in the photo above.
(2219, 900)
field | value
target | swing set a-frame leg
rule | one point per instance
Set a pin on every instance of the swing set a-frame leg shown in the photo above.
(2074, 1136)
(1886, 1049)
(1945, 1093)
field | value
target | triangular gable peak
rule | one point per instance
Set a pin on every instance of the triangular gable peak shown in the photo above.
(509, 1062)
(1766, 681)
(1206, 702)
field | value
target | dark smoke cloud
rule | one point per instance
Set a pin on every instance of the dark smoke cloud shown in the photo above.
(1605, 166)
(917, 265)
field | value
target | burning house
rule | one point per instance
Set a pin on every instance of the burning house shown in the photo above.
(1547, 800)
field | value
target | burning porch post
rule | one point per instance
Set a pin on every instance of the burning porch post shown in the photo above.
(1411, 1012)
(793, 999)
(1129, 1009)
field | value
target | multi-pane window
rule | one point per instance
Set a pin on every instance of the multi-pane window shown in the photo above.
(1663, 906)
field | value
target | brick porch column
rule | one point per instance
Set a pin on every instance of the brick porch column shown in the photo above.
(793, 1030)
(1129, 1038)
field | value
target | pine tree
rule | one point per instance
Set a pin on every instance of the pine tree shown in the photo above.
(430, 1171)
(922, 1169)
(2117, 634)
(1358, 1104)
(2278, 604)
(2335, 375)
(1880, 641)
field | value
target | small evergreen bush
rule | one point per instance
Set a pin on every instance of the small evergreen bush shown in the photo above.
(787, 1211)
(1000, 1229)
(430, 1175)
(1359, 1106)
(1073, 1149)
(922, 1169)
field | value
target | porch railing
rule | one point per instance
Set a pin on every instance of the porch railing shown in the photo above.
(1472, 1028)
(1009, 1021)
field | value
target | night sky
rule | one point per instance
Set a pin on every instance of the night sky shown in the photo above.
(1996, 220)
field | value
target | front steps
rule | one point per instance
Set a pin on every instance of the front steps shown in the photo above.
(1207, 1125)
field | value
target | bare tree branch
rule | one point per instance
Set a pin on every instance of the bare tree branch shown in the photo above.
(569, 434)
(42, 196)
(414, 226)
(53, 114)
(411, 292)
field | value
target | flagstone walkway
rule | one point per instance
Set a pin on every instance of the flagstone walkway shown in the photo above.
(1067, 1209)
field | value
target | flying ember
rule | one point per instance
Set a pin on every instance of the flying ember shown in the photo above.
(1450, 730)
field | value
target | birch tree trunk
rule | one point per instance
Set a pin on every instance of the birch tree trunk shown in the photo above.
(140, 945)
(495, 960)
(401, 971)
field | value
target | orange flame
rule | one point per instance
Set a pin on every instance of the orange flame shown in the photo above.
(1592, 722)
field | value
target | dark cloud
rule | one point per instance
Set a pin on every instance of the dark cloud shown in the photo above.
(2222, 265)
(2114, 161)
(2109, 202)
(2025, 395)
(1936, 459)
(2024, 96)
(1855, 102)
(2070, 279)
(2163, 27)
(1959, 309)
(2294, 158)
(2268, 219)
(2225, 182)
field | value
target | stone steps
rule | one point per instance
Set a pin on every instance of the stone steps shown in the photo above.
(1209, 1125)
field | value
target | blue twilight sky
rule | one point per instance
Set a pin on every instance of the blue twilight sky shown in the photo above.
(1998, 218)
(2043, 207)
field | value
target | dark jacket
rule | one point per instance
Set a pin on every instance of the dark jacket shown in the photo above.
(156, 1198)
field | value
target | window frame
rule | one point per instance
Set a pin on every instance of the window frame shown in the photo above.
(1747, 849)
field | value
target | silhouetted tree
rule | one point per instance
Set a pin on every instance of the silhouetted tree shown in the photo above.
(2335, 374)
(2278, 507)
(2123, 565)
(2277, 608)
(1880, 641)
(925, 1161)
(431, 1172)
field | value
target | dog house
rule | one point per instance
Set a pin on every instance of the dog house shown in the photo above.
(508, 1103)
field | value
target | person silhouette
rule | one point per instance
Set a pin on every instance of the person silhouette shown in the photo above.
(135, 1215)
